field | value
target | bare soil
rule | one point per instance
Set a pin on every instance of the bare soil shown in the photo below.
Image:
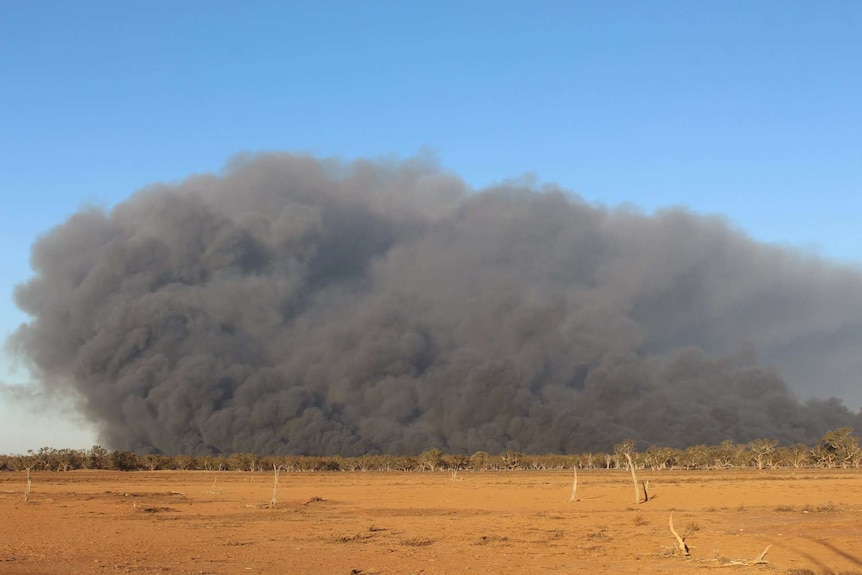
(199, 522)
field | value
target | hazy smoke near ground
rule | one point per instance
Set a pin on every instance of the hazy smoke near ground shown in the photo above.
(292, 305)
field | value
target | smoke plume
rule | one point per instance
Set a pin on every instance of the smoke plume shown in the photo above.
(292, 305)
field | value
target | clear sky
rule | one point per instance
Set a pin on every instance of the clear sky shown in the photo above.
(748, 109)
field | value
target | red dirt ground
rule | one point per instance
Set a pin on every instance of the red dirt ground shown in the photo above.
(169, 522)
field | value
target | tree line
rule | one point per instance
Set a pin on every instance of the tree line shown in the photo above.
(837, 449)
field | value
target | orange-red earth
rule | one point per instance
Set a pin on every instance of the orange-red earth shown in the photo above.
(200, 522)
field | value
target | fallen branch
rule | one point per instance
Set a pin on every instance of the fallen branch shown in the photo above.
(758, 561)
(681, 545)
(760, 557)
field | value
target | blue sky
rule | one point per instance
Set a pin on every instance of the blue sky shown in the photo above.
(748, 109)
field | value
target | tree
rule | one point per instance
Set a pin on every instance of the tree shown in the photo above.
(761, 451)
(69, 459)
(124, 461)
(480, 460)
(432, 460)
(696, 457)
(660, 457)
(152, 461)
(243, 462)
(456, 461)
(98, 457)
(727, 455)
(799, 455)
(511, 459)
(838, 448)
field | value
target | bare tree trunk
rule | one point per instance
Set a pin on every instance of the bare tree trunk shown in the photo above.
(634, 477)
(27, 489)
(275, 470)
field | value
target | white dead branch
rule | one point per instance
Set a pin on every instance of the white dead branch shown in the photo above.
(29, 484)
(681, 545)
(275, 470)
(759, 560)
(574, 483)
(634, 477)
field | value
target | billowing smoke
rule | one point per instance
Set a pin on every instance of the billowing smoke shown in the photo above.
(292, 305)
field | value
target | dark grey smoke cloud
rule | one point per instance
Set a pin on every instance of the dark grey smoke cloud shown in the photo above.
(292, 305)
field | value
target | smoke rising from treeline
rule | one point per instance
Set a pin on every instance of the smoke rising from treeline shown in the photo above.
(292, 305)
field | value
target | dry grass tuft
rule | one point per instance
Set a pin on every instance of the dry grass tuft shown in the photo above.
(355, 538)
(691, 527)
(417, 541)
(489, 539)
(599, 535)
(158, 509)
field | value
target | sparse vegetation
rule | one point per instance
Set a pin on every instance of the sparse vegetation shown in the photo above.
(839, 448)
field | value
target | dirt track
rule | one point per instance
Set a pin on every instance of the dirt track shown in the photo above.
(404, 523)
